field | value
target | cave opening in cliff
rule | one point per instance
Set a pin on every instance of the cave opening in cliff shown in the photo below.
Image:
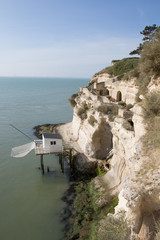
(108, 165)
(119, 96)
(131, 123)
(102, 140)
(107, 91)
(101, 92)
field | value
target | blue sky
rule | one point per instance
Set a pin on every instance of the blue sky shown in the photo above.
(70, 38)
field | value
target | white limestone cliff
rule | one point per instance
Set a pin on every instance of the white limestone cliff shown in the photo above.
(139, 193)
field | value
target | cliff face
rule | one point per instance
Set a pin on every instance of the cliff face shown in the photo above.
(113, 128)
(101, 127)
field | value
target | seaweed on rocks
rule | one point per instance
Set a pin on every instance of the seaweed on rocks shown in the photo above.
(66, 214)
(82, 213)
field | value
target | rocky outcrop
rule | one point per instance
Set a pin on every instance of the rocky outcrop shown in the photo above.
(100, 125)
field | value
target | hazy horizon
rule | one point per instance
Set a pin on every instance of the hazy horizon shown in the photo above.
(54, 77)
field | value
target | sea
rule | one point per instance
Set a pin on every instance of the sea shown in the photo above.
(30, 203)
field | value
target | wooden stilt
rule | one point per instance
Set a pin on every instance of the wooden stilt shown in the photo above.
(61, 162)
(62, 165)
(59, 159)
(42, 166)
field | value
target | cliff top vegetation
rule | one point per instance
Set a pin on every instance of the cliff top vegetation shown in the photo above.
(120, 67)
(145, 67)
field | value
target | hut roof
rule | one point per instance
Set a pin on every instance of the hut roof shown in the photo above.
(49, 135)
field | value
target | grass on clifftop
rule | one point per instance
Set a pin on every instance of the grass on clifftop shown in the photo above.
(120, 67)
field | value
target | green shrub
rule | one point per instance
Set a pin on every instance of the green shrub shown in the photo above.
(82, 113)
(92, 120)
(129, 106)
(100, 171)
(111, 206)
(121, 66)
(108, 109)
(85, 106)
(72, 102)
(86, 110)
(108, 96)
(103, 108)
(122, 103)
(115, 61)
(74, 95)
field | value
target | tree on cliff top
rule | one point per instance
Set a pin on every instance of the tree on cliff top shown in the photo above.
(147, 33)
(149, 63)
(150, 55)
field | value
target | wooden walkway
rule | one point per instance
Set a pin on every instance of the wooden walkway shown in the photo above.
(39, 150)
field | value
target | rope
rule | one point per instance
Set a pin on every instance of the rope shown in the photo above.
(21, 132)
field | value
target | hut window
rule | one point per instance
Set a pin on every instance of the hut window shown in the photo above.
(53, 142)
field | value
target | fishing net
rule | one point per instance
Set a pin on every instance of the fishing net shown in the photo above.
(22, 150)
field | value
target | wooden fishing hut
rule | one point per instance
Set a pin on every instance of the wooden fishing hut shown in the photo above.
(50, 144)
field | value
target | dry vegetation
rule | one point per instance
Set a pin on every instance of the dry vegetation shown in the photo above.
(157, 237)
(151, 111)
(112, 228)
(121, 66)
(72, 100)
(82, 113)
(108, 109)
(149, 63)
(92, 120)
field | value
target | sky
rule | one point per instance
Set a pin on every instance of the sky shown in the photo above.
(70, 38)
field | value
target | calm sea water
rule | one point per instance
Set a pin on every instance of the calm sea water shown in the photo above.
(30, 203)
